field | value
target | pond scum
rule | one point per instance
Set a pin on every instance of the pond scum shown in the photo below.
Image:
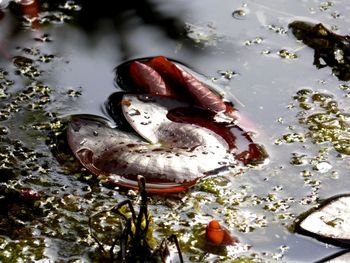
(46, 198)
(324, 119)
(46, 202)
(324, 124)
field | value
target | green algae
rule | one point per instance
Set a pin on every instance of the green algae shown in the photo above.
(326, 120)
(251, 204)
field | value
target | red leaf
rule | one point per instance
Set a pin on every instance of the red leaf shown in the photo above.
(147, 79)
(167, 70)
(176, 76)
(201, 93)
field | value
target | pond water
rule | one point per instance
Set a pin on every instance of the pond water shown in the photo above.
(62, 63)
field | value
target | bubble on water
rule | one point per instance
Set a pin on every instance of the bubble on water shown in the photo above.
(323, 167)
(240, 13)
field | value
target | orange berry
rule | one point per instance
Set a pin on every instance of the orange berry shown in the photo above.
(215, 233)
(219, 235)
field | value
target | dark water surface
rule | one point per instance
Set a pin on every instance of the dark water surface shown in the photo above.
(63, 64)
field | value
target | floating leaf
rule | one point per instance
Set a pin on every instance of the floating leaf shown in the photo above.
(331, 222)
(167, 130)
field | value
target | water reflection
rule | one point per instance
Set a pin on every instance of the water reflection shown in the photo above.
(93, 14)
(149, 13)
(104, 34)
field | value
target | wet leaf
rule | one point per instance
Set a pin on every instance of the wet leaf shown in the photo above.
(331, 222)
(148, 79)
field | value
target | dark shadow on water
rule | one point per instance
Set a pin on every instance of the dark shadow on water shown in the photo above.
(93, 13)
(147, 11)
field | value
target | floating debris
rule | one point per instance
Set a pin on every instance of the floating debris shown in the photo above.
(333, 49)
